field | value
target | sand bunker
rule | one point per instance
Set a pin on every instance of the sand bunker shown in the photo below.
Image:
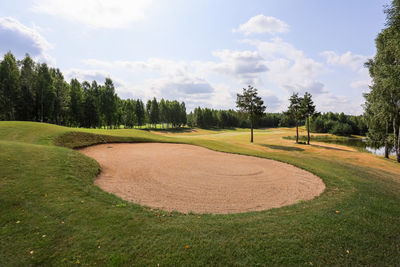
(188, 178)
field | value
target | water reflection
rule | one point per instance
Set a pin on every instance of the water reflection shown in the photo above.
(378, 151)
(358, 143)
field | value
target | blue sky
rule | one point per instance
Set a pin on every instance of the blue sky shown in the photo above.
(204, 52)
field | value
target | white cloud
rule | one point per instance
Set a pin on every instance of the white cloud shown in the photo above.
(275, 67)
(20, 39)
(123, 88)
(339, 103)
(289, 68)
(109, 14)
(348, 59)
(262, 24)
(246, 67)
(363, 80)
(164, 66)
(182, 86)
(87, 75)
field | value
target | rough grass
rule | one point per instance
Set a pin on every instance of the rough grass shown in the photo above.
(52, 214)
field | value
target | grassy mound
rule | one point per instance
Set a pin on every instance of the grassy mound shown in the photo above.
(52, 214)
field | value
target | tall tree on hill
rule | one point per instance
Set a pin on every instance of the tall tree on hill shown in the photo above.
(91, 110)
(9, 87)
(308, 110)
(109, 105)
(61, 96)
(27, 83)
(295, 111)
(97, 93)
(76, 103)
(45, 94)
(251, 104)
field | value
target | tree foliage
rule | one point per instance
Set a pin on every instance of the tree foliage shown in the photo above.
(251, 104)
(382, 106)
(295, 111)
(37, 92)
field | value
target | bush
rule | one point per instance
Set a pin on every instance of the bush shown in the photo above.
(318, 125)
(341, 129)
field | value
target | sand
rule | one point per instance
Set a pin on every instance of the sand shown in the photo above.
(187, 178)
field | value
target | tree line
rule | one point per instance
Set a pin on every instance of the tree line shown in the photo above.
(31, 91)
(338, 124)
(382, 106)
(215, 118)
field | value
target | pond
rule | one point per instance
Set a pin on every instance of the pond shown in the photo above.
(378, 151)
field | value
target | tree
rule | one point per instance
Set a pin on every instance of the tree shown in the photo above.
(251, 104)
(61, 96)
(9, 87)
(308, 109)
(76, 104)
(183, 116)
(140, 113)
(91, 111)
(154, 112)
(27, 83)
(295, 111)
(163, 112)
(38, 93)
(129, 115)
(378, 120)
(108, 102)
(198, 117)
(148, 107)
(45, 94)
(383, 100)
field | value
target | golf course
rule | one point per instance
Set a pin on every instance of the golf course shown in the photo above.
(54, 213)
(199, 133)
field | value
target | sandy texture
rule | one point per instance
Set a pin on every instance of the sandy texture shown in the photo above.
(188, 178)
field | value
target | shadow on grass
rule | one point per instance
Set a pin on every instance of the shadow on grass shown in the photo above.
(170, 130)
(331, 148)
(285, 148)
(187, 130)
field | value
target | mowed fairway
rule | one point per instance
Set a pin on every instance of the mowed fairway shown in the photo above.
(53, 214)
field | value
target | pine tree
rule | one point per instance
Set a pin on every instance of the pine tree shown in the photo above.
(295, 111)
(308, 110)
(251, 104)
(9, 87)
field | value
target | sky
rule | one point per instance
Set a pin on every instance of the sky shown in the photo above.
(203, 52)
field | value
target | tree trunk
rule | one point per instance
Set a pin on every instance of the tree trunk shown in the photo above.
(41, 113)
(297, 133)
(395, 142)
(251, 140)
(398, 148)
(386, 141)
(308, 130)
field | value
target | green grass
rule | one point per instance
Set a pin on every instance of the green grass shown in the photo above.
(50, 206)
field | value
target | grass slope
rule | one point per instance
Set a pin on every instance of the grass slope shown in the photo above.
(52, 214)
